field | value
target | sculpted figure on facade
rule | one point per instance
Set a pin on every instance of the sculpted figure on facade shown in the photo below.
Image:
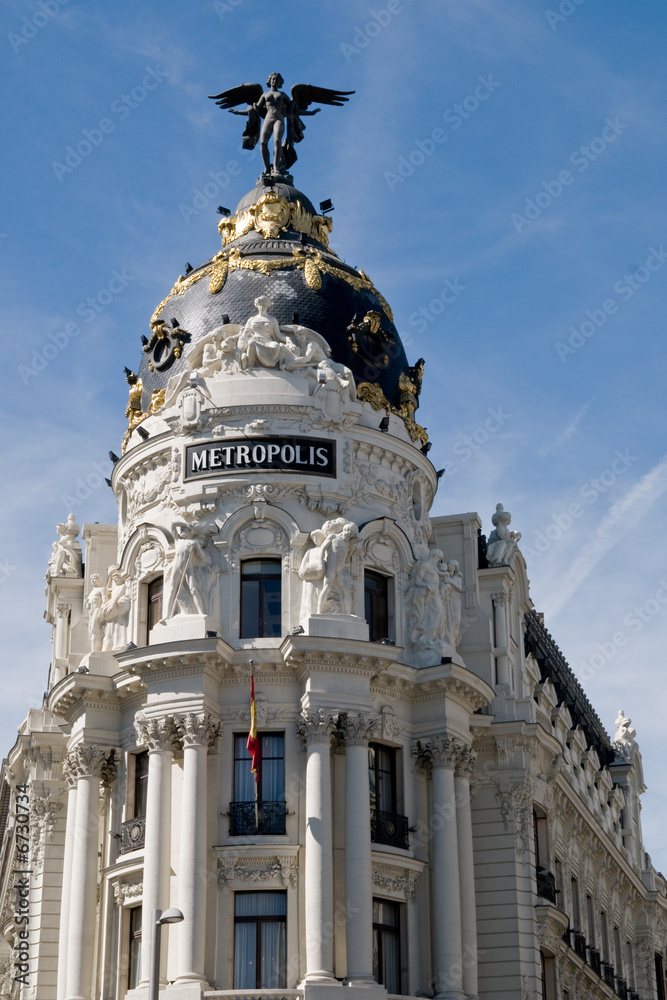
(192, 572)
(325, 569)
(625, 743)
(502, 542)
(451, 591)
(66, 557)
(425, 600)
(93, 607)
(115, 610)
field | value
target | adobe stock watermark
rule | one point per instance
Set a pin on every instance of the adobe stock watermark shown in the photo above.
(590, 493)
(581, 158)
(31, 26)
(364, 34)
(566, 8)
(468, 446)
(91, 307)
(94, 137)
(449, 294)
(454, 117)
(224, 7)
(6, 570)
(21, 885)
(635, 621)
(626, 288)
(83, 488)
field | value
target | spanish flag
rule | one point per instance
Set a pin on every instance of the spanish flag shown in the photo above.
(252, 744)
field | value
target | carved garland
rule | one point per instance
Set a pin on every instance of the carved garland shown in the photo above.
(267, 869)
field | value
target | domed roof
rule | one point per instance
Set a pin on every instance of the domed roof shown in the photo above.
(277, 245)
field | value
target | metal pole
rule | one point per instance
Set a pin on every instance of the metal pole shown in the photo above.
(154, 979)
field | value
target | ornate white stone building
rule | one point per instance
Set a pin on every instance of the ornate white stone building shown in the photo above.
(438, 811)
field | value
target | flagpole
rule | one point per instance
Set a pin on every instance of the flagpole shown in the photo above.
(251, 744)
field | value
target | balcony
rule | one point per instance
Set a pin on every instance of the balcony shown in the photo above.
(132, 834)
(389, 828)
(621, 987)
(594, 961)
(248, 819)
(546, 884)
(608, 974)
(580, 945)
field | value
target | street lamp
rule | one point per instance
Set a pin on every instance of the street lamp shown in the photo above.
(171, 916)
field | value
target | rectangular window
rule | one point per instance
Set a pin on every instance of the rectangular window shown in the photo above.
(155, 594)
(590, 913)
(140, 783)
(376, 606)
(134, 951)
(261, 606)
(268, 815)
(604, 934)
(660, 976)
(387, 826)
(576, 908)
(260, 947)
(387, 944)
(618, 954)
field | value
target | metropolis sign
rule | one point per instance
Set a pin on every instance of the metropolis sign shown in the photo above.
(285, 454)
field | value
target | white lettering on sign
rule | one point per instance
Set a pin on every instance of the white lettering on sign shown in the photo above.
(291, 454)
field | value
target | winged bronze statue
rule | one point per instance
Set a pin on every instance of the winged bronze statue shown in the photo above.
(272, 114)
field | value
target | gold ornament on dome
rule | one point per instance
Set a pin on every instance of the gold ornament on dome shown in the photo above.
(157, 401)
(370, 392)
(272, 215)
(307, 259)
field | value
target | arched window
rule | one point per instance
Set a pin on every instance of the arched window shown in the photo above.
(261, 605)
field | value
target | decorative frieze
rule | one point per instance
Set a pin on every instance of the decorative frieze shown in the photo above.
(399, 881)
(128, 889)
(231, 871)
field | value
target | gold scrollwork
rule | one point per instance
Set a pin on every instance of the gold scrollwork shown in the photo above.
(370, 392)
(273, 214)
(157, 400)
(307, 259)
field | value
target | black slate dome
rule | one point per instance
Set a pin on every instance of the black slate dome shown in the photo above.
(276, 245)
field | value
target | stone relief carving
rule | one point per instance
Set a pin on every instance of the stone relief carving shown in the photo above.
(91, 760)
(192, 574)
(434, 599)
(502, 542)
(197, 729)
(315, 727)
(128, 889)
(325, 569)
(393, 879)
(114, 612)
(66, 556)
(157, 733)
(268, 869)
(44, 810)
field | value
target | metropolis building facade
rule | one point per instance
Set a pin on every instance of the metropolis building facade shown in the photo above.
(438, 810)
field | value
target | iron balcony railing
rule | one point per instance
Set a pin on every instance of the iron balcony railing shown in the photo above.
(580, 945)
(247, 819)
(608, 974)
(389, 828)
(132, 834)
(546, 884)
(594, 960)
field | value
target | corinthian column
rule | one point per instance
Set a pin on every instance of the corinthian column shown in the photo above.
(197, 733)
(160, 736)
(315, 730)
(464, 769)
(70, 778)
(447, 946)
(89, 765)
(358, 871)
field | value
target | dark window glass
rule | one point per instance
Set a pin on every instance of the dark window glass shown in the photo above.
(376, 605)
(660, 976)
(260, 951)
(382, 777)
(271, 768)
(140, 783)
(260, 598)
(387, 944)
(134, 958)
(155, 592)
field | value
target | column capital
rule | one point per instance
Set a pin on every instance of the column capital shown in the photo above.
(442, 751)
(358, 729)
(85, 761)
(465, 766)
(197, 729)
(316, 727)
(157, 733)
(501, 597)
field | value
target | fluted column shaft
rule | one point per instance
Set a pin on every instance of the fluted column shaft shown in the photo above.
(197, 734)
(447, 956)
(358, 868)
(466, 873)
(61, 990)
(91, 765)
(316, 731)
(159, 735)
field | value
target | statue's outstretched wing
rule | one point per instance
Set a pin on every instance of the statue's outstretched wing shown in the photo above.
(305, 94)
(247, 93)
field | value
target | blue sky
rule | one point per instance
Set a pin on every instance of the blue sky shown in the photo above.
(499, 174)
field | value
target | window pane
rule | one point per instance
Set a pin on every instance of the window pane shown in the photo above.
(260, 598)
(271, 608)
(250, 594)
(386, 944)
(386, 778)
(260, 904)
(134, 965)
(272, 955)
(140, 783)
(245, 956)
(244, 779)
(155, 591)
(272, 773)
(376, 605)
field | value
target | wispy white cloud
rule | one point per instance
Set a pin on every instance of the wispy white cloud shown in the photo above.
(567, 434)
(619, 520)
